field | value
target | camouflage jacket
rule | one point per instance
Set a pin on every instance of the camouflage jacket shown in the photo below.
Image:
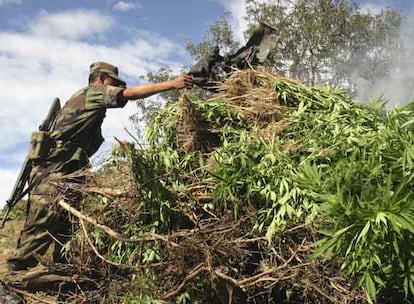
(77, 131)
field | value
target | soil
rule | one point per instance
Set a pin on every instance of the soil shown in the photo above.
(8, 239)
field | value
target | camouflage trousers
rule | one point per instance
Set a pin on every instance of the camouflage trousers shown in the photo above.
(45, 225)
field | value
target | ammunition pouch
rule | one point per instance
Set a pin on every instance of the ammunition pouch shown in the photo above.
(40, 145)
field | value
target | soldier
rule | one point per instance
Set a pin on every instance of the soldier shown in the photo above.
(76, 136)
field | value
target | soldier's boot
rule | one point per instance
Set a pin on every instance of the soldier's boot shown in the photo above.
(15, 265)
(29, 246)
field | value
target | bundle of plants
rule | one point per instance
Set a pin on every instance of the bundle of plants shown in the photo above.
(271, 191)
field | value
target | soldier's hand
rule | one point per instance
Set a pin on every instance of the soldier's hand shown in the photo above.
(183, 81)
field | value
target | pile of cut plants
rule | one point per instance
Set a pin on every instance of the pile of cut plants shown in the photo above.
(269, 192)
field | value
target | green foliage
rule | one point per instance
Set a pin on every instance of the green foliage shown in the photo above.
(17, 213)
(352, 171)
(131, 298)
(163, 74)
(368, 198)
(338, 163)
(143, 293)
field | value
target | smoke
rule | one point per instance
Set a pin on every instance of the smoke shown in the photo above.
(397, 87)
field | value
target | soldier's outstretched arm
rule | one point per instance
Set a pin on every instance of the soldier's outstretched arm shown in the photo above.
(145, 90)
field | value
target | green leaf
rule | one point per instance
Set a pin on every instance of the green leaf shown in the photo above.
(364, 232)
(370, 287)
(271, 230)
(410, 122)
(381, 218)
(324, 246)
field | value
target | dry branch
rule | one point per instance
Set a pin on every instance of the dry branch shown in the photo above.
(85, 232)
(30, 295)
(194, 273)
(109, 231)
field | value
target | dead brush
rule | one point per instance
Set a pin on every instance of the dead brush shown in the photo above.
(253, 93)
(207, 248)
(271, 131)
(193, 130)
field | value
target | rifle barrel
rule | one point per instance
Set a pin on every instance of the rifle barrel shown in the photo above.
(51, 115)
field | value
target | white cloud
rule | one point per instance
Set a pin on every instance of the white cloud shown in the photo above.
(37, 66)
(372, 8)
(237, 8)
(7, 180)
(126, 6)
(5, 2)
(74, 24)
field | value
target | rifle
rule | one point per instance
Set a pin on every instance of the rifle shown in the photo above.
(214, 68)
(48, 123)
(18, 190)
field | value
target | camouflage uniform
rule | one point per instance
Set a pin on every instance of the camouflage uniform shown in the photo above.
(76, 136)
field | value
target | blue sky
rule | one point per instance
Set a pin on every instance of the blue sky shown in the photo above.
(46, 47)
(178, 20)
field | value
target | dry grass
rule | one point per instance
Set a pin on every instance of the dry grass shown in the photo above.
(253, 93)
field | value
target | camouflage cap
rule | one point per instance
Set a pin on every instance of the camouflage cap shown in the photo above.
(107, 68)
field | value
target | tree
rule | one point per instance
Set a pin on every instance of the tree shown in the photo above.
(328, 40)
(219, 33)
(148, 109)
